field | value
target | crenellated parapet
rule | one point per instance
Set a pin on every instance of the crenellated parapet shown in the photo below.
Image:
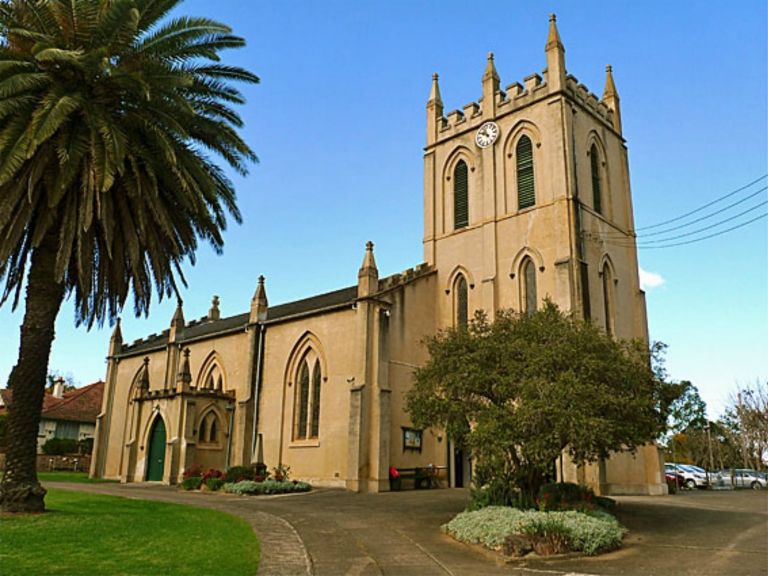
(405, 277)
(516, 96)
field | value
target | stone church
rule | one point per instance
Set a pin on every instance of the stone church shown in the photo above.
(521, 190)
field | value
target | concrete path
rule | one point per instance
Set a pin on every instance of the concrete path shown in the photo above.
(332, 532)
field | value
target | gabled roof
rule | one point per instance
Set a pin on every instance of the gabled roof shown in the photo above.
(197, 329)
(78, 405)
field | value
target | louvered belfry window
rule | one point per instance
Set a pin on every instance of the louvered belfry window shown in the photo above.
(526, 192)
(460, 196)
(462, 302)
(596, 197)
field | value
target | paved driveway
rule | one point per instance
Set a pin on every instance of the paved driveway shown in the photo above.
(331, 532)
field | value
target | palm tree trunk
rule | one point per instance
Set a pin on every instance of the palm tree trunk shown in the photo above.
(20, 490)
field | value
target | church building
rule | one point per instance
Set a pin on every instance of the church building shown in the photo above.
(522, 190)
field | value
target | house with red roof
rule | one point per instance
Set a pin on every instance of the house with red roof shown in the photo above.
(70, 414)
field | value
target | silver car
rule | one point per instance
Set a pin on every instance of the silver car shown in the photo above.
(742, 478)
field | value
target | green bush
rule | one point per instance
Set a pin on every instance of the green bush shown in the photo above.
(60, 446)
(266, 487)
(240, 473)
(214, 483)
(488, 489)
(575, 531)
(565, 496)
(192, 483)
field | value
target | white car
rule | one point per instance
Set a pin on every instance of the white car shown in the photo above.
(694, 477)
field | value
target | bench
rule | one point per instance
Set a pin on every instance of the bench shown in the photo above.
(423, 477)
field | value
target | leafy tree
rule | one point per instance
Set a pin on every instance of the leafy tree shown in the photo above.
(688, 411)
(108, 114)
(519, 391)
(746, 424)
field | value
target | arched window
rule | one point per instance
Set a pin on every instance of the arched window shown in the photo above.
(608, 306)
(528, 277)
(316, 383)
(526, 190)
(460, 195)
(208, 431)
(462, 302)
(308, 398)
(213, 378)
(597, 200)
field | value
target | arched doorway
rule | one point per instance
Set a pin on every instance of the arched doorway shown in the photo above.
(156, 453)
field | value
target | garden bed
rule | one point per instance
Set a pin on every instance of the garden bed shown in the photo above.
(513, 532)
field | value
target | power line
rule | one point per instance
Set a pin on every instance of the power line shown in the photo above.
(662, 240)
(665, 231)
(721, 232)
(715, 201)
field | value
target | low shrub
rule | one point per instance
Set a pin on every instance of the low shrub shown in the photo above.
(266, 487)
(193, 471)
(548, 532)
(214, 484)
(240, 473)
(60, 446)
(212, 473)
(281, 472)
(192, 483)
(565, 496)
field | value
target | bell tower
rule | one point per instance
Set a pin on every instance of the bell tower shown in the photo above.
(526, 196)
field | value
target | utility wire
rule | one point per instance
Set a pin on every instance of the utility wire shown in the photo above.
(705, 237)
(715, 201)
(708, 216)
(662, 240)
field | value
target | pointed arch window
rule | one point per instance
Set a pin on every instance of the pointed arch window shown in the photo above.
(528, 277)
(214, 378)
(597, 200)
(608, 305)
(462, 302)
(526, 190)
(308, 395)
(460, 195)
(208, 431)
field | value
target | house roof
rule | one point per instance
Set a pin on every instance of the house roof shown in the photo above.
(78, 405)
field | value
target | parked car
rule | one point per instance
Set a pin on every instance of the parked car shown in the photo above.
(674, 478)
(694, 476)
(743, 478)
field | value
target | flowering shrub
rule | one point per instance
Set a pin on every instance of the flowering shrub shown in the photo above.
(212, 473)
(193, 471)
(281, 472)
(565, 496)
(266, 487)
(549, 532)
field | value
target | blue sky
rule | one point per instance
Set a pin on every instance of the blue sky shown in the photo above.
(338, 123)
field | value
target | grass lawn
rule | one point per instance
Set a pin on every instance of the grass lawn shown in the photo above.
(64, 476)
(84, 534)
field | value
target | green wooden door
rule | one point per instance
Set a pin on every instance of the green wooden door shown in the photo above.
(156, 454)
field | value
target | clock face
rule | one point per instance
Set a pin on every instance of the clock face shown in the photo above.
(487, 134)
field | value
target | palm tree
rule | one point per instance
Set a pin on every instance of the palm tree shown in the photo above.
(109, 111)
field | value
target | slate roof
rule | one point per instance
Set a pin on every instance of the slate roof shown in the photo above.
(78, 405)
(197, 329)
